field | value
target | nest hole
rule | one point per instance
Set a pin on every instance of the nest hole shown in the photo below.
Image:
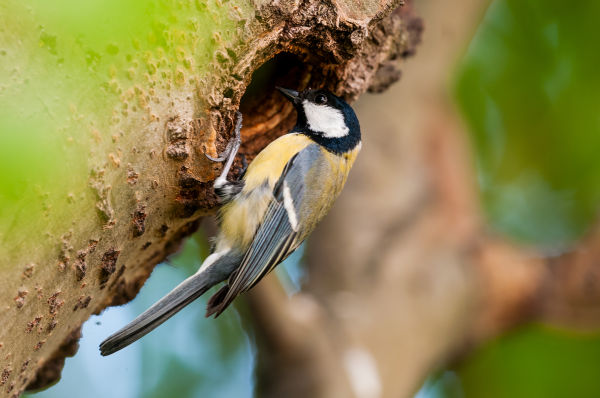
(267, 114)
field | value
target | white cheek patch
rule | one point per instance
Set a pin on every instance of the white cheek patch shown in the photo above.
(325, 119)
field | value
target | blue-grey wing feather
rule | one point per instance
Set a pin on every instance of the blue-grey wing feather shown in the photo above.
(275, 238)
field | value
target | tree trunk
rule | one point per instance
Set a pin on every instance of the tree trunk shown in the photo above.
(109, 112)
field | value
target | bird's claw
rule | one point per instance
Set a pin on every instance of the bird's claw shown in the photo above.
(234, 143)
(223, 156)
(230, 151)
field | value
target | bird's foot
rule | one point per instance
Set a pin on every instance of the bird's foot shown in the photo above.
(223, 156)
(233, 145)
(230, 152)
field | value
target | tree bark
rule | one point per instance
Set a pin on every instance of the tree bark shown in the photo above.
(130, 119)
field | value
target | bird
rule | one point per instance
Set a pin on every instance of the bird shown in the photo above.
(268, 212)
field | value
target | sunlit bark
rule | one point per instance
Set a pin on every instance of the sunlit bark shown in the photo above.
(132, 124)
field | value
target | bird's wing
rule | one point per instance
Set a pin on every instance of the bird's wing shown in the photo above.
(278, 234)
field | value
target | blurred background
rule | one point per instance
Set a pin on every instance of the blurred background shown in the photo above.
(514, 86)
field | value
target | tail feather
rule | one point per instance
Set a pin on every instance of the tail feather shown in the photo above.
(186, 292)
(215, 303)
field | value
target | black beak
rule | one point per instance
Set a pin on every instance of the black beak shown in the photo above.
(291, 95)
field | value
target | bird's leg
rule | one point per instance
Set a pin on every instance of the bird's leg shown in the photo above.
(230, 152)
(226, 189)
(223, 156)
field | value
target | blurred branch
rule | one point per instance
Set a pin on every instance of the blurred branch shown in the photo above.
(289, 363)
(571, 290)
(521, 285)
(404, 273)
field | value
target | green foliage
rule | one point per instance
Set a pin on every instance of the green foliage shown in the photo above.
(534, 362)
(528, 88)
(26, 154)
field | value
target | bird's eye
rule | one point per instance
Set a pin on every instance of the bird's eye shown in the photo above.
(321, 99)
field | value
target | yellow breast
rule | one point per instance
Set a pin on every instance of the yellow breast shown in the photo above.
(343, 163)
(325, 187)
(240, 218)
(269, 163)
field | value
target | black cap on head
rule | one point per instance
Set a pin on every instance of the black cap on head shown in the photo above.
(325, 117)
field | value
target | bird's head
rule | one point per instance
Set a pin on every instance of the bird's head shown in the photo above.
(326, 118)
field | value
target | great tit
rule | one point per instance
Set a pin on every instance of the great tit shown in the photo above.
(286, 190)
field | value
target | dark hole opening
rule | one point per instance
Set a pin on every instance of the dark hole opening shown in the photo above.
(267, 114)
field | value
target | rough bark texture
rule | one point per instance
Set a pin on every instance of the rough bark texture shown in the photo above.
(140, 181)
(404, 275)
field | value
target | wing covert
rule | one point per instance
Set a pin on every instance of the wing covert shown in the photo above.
(277, 236)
